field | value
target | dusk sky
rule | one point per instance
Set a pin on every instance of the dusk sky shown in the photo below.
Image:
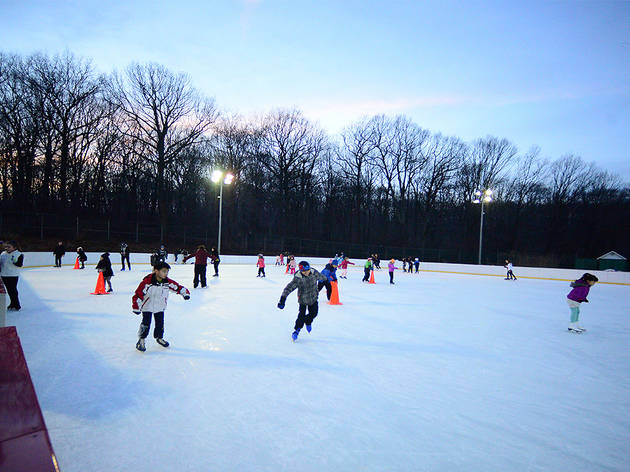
(552, 74)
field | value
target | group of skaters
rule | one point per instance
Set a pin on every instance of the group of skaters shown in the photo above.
(150, 297)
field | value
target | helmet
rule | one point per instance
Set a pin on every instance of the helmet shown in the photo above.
(303, 265)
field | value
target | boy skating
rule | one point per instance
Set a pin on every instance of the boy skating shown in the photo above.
(261, 265)
(306, 282)
(150, 299)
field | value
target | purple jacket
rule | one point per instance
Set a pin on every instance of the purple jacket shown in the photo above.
(392, 267)
(579, 292)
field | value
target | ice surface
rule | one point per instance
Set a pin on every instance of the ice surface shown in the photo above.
(438, 372)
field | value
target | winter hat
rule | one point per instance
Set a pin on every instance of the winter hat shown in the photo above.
(303, 265)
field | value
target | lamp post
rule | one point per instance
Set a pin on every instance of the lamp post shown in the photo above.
(482, 198)
(222, 178)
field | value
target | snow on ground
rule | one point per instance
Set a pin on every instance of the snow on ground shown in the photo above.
(440, 372)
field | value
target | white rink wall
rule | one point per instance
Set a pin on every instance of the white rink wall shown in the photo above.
(42, 259)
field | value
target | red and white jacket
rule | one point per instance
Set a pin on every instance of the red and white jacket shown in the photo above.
(152, 295)
(260, 263)
(344, 264)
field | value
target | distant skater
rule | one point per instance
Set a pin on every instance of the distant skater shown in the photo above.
(416, 264)
(59, 252)
(576, 297)
(344, 267)
(306, 281)
(510, 274)
(367, 268)
(216, 260)
(105, 266)
(392, 267)
(201, 256)
(125, 256)
(82, 257)
(150, 299)
(261, 265)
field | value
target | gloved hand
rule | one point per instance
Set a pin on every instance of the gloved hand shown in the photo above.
(281, 303)
(585, 300)
(136, 312)
(186, 297)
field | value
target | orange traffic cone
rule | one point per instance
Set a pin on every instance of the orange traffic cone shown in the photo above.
(100, 285)
(76, 264)
(372, 281)
(334, 297)
(287, 271)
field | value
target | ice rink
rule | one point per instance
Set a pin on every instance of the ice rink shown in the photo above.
(439, 372)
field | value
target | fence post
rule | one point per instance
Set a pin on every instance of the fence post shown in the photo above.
(108, 225)
(206, 239)
(77, 227)
(161, 233)
(137, 230)
(41, 227)
(184, 236)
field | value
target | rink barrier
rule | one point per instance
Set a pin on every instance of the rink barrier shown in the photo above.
(3, 304)
(42, 260)
(24, 441)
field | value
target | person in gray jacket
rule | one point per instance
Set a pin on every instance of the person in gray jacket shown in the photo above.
(306, 283)
(11, 261)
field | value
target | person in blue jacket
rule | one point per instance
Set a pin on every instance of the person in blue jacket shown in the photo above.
(330, 272)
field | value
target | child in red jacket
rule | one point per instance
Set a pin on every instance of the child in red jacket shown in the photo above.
(150, 299)
(261, 265)
(344, 267)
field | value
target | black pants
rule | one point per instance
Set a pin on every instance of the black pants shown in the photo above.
(366, 277)
(124, 258)
(58, 260)
(391, 277)
(510, 275)
(11, 284)
(158, 332)
(303, 318)
(216, 267)
(200, 273)
(417, 268)
(261, 271)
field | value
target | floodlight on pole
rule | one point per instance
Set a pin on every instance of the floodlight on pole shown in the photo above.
(481, 198)
(221, 178)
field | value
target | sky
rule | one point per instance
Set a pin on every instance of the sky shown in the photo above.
(555, 74)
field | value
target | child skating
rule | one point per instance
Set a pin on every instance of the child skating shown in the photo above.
(201, 256)
(82, 257)
(510, 274)
(292, 266)
(344, 267)
(576, 297)
(261, 265)
(367, 269)
(306, 281)
(392, 267)
(105, 266)
(150, 299)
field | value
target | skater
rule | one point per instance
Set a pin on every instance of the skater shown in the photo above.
(416, 263)
(261, 265)
(59, 252)
(82, 257)
(124, 256)
(162, 254)
(278, 260)
(184, 253)
(366, 269)
(306, 281)
(577, 296)
(150, 299)
(377, 261)
(392, 267)
(11, 260)
(292, 265)
(201, 256)
(344, 267)
(510, 275)
(105, 266)
(330, 271)
(215, 261)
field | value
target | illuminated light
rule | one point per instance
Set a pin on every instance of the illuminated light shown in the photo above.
(487, 199)
(217, 175)
(478, 193)
(477, 201)
(488, 192)
(229, 178)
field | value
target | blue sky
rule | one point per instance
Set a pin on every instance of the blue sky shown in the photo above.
(552, 74)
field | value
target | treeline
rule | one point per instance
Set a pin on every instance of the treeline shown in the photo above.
(140, 144)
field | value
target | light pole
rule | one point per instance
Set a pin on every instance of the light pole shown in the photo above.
(481, 198)
(222, 178)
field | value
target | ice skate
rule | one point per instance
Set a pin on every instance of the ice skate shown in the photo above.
(295, 334)
(574, 328)
(140, 345)
(309, 328)
(162, 342)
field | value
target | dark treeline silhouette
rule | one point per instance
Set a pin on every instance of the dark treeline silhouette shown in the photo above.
(139, 146)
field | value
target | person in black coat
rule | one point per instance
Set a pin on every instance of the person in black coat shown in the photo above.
(214, 255)
(105, 266)
(124, 256)
(82, 257)
(59, 252)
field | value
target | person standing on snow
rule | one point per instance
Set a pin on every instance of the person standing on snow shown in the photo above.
(306, 281)
(124, 255)
(392, 267)
(201, 256)
(216, 260)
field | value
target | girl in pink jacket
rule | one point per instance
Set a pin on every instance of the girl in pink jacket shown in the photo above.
(261, 266)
